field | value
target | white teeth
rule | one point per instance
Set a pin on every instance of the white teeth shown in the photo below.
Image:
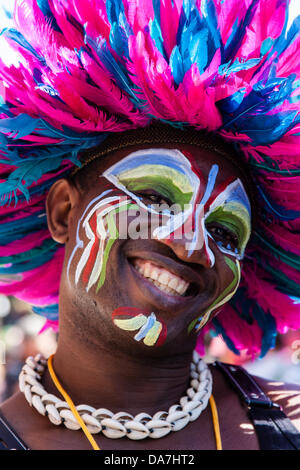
(164, 278)
(154, 274)
(173, 283)
(161, 278)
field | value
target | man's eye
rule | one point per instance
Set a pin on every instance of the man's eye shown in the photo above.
(224, 237)
(153, 198)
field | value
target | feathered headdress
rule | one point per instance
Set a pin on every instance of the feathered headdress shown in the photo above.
(92, 67)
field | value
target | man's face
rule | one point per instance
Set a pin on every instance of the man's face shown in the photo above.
(157, 242)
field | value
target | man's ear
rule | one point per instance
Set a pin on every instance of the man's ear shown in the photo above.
(61, 198)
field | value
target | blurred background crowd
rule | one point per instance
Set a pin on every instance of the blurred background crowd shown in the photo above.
(20, 329)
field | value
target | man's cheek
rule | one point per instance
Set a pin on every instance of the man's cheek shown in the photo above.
(96, 233)
(227, 293)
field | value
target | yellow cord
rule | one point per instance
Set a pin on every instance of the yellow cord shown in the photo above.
(216, 424)
(92, 441)
(71, 405)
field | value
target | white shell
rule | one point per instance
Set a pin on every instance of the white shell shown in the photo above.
(190, 392)
(158, 428)
(143, 418)
(183, 401)
(31, 380)
(194, 375)
(180, 420)
(38, 390)
(70, 420)
(38, 405)
(161, 415)
(22, 382)
(102, 413)
(122, 416)
(30, 371)
(204, 375)
(52, 399)
(53, 415)
(195, 384)
(92, 423)
(174, 409)
(201, 366)
(62, 404)
(113, 429)
(27, 393)
(137, 430)
(85, 409)
(122, 423)
(194, 408)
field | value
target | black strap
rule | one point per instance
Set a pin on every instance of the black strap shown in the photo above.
(9, 440)
(274, 430)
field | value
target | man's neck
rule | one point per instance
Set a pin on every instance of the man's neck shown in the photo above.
(118, 382)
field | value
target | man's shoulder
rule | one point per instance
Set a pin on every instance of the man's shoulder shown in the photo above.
(286, 395)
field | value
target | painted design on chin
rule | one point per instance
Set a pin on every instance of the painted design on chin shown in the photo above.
(98, 221)
(226, 295)
(152, 331)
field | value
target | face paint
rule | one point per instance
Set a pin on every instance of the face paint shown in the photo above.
(228, 293)
(231, 212)
(168, 173)
(149, 329)
(100, 228)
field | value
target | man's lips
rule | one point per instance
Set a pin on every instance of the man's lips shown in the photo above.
(189, 286)
(161, 277)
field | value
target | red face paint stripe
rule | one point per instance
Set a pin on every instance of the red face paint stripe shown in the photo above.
(162, 336)
(218, 190)
(95, 248)
(128, 311)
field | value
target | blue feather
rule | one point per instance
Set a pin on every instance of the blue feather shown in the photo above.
(45, 9)
(155, 33)
(21, 125)
(118, 40)
(280, 212)
(268, 326)
(27, 174)
(29, 265)
(209, 13)
(17, 37)
(30, 254)
(221, 331)
(49, 311)
(117, 71)
(235, 40)
(176, 65)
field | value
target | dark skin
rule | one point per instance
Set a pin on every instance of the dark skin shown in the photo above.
(95, 360)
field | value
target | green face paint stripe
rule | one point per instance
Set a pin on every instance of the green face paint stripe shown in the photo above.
(163, 186)
(193, 324)
(234, 217)
(226, 294)
(178, 179)
(152, 336)
(112, 228)
(131, 324)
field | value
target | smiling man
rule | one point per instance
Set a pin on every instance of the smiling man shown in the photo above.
(140, 235)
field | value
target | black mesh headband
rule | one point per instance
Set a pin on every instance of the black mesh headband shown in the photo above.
(164, 134)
